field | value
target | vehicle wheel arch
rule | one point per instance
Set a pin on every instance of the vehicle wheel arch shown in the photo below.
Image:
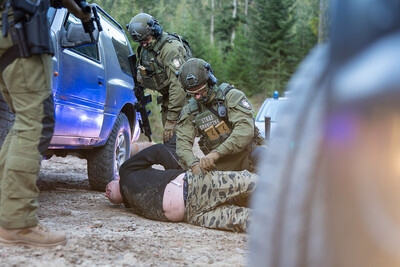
(130, 112)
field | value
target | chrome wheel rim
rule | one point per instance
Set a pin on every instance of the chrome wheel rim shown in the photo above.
(121, 148)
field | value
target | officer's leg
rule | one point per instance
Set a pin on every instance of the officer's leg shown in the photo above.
(4, 44)
(28, 81)
(256, 154)
(3, 156)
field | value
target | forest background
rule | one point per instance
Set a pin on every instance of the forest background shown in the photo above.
(256, 45)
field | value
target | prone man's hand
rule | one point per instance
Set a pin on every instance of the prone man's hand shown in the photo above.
(208, 162)
(76, 10)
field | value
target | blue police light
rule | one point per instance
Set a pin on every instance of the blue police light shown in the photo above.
(276, 94)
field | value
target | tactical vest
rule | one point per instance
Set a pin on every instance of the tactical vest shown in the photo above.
(154, 76)
(212, 128)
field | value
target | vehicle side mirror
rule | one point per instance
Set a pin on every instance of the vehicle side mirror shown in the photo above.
(76, 36)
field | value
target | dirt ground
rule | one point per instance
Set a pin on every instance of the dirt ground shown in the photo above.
(103, 234)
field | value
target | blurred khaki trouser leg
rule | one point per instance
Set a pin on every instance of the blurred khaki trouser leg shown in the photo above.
(25, 85)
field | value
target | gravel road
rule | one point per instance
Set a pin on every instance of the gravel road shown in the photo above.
(103, 234)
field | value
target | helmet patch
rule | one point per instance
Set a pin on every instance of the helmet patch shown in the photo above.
(191, 80)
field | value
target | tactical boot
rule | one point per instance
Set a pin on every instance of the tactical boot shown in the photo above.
(36, 236)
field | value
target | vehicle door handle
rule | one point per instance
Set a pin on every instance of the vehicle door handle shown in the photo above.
(100, 80)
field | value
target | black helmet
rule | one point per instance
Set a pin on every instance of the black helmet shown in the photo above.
(142, 26)
(196, 72)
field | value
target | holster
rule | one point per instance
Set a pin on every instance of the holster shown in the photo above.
(30, 28)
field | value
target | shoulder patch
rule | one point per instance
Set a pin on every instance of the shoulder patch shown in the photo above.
(245, 103)
(177, 64)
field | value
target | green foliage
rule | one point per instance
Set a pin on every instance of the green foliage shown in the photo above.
(239, 65)
(271, 25)
(279, 33)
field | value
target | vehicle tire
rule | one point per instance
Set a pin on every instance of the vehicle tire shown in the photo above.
(6, 119)
(103, 163)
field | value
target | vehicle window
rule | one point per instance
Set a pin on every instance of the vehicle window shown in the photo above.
(121, 47)
(91, 50)
(122, 54)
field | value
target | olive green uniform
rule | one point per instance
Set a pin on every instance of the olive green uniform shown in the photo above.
(234, 148)
(162, 60)
(26, 87)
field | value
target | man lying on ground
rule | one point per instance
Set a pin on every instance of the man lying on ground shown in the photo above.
(211, 200)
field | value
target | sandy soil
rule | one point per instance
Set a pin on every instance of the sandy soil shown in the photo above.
(103, 234)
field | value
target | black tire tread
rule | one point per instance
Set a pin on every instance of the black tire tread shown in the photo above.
(100, 171)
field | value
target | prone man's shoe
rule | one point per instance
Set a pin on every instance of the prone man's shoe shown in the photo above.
(36, 236)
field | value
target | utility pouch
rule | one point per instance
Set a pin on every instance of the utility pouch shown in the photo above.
(222, 128)
(212, 133)
(205, 145)
(18, 36)
(38, 35)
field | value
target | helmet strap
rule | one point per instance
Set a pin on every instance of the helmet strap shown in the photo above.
(211, 93)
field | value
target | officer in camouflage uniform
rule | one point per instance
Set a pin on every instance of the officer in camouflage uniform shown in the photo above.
(214, 200)
(160, 56)
(26, 87)
(223, 118)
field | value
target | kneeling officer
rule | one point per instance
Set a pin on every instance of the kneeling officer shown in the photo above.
(223, 118)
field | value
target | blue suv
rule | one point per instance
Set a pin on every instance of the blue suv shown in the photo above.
(93, 96)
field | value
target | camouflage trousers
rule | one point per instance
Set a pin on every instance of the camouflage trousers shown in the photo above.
(211, 199)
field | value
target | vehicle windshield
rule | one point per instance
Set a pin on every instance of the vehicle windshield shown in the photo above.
(271, 109)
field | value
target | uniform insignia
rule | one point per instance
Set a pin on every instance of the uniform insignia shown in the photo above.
(244, 103)
(176, 63)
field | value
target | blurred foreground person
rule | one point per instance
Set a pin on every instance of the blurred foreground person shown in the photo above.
(25, 80)
(212, 200)
(334, 190)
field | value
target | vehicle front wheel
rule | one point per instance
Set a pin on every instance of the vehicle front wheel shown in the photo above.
(103, 163)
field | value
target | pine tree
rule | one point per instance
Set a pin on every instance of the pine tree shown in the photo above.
(271, 24)
(239, 64)
(305, 31)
